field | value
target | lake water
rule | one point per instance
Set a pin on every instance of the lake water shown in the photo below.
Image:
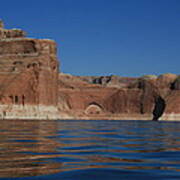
(89, 150)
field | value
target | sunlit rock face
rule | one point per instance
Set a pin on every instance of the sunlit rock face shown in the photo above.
(148, 97)
(28, 72)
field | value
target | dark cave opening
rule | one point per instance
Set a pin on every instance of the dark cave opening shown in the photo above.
(159, 108)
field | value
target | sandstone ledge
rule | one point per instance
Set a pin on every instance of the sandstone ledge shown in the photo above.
(32, 112)
(168, 117)
(41, 112)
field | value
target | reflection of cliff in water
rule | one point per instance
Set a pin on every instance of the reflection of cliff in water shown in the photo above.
(33, 148)
(26, 149)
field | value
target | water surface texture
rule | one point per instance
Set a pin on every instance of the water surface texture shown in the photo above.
(86, 150)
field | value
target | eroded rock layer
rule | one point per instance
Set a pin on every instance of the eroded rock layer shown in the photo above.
(28, 75)
(113, 97)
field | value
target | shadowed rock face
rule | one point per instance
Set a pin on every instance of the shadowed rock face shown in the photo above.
(176, 84)
(109, 81)
(159, 108)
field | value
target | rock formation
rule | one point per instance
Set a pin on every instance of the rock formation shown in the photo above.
(31, 88)
(28, 75)
(112, 97)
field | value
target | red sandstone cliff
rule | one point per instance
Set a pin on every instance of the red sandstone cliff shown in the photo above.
(28, 75)
(114, 97)
(30, 87)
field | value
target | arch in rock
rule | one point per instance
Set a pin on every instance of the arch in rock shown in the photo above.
(94, 109)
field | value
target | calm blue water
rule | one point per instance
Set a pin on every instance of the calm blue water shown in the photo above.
(89, 150)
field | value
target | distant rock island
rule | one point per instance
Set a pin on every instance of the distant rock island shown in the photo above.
(31, 87)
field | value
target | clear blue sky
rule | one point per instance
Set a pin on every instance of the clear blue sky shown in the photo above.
(103, 37)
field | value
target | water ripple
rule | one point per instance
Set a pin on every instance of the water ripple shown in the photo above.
(110, 149)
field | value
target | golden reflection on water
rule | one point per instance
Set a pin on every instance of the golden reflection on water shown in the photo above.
(22, 145)
(32, 148)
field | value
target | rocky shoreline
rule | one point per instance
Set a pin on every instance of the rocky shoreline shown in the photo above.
(169, 117)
